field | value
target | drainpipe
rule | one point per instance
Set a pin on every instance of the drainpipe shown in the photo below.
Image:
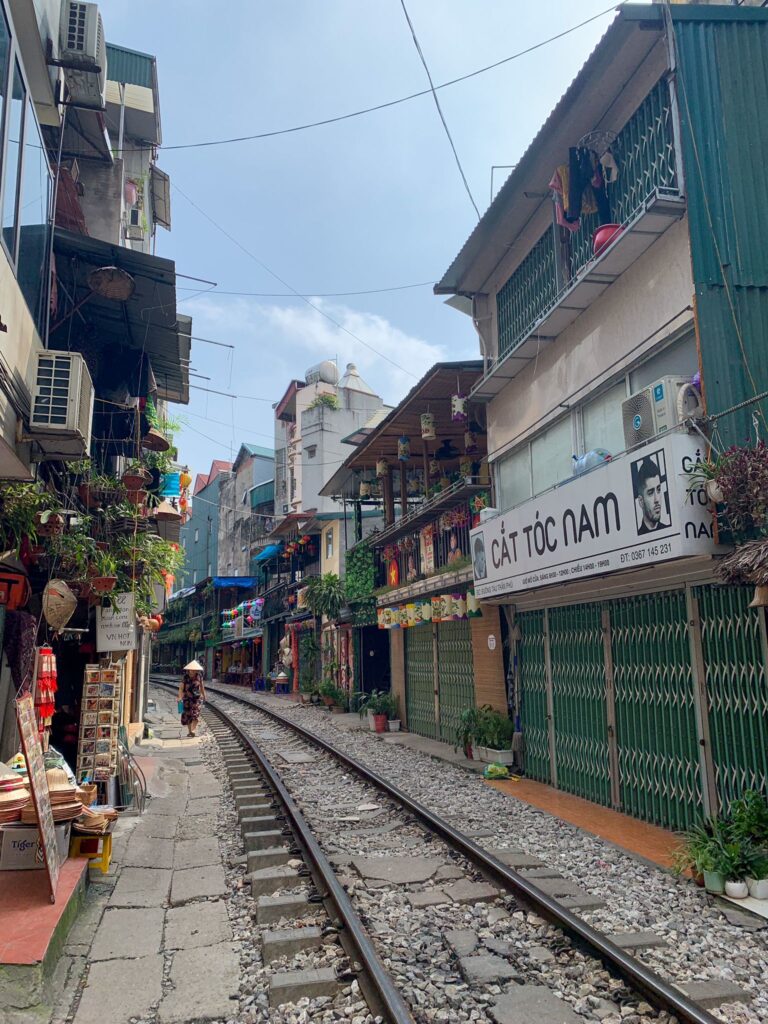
(120, 145)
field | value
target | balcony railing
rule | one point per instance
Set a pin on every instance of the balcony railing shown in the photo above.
(419, 557)
(645, 153)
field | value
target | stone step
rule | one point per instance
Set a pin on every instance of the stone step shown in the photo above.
(267, 881)
(271, 909)
(279, 942)
(259, 823)
(268, 858)
(290, 986)
(263, 840)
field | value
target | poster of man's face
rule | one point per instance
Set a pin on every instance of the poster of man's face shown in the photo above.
(478, 558)
(649, 484)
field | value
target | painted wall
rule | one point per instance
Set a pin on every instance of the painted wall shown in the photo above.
(205, 520)
(17, 357)
(624, 323)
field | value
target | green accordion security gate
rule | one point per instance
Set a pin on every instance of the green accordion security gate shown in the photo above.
(657, 738)
(419, 681)
(578, 701)
(455, 673)
(533, 693)
(733, 642)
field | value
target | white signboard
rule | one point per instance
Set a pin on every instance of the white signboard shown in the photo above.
(116, 630)
(632, 512)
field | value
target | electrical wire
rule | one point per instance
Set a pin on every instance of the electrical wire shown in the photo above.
(439, 108)
(285, 284)
(311, 295)
(389, 103)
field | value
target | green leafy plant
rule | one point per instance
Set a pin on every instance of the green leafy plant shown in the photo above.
(333, 692)
(309, 651)
(325, 401)
(494, 730)
(468, 728)
(378, 702)
(360, 573)
(74, 551)
(749, 818)
(19, 505)
(325, 595)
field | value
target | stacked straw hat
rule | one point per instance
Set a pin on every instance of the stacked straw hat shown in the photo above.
(14, 795)
(63, 796)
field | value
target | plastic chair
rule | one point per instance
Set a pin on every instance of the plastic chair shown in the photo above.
(88, 846)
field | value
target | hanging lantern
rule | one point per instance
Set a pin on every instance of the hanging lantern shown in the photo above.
(471, 446)
(404, 449)
(428, 426)
(465, 468)
(459, 408)
(434, 467)
(365, 489)
(185, 478)
(382, 468)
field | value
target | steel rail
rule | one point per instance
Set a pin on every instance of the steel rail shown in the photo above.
(651, 985)
(384, 991)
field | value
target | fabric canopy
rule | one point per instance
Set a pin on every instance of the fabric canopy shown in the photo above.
(244, 582)
(269, 552)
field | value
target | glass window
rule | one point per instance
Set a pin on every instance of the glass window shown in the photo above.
(329, 543)
(12, 154)
(602, 423)
(552, 456)
(197, 535)
(33, 219)
(5, 57)
(513, 479)
(677, 360)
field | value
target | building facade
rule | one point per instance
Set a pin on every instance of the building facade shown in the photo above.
(614, 364)
(239, 524)
(200, 533)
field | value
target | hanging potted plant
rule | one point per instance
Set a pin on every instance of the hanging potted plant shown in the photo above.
(136, 477)
(103, 572)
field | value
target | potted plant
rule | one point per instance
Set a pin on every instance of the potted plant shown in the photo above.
(393, 721)
(136, 477)
(467, 731)
(325, 595)
(49, 523)
(103, 572)
(497, 732)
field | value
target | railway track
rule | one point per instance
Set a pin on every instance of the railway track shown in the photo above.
(570, 948)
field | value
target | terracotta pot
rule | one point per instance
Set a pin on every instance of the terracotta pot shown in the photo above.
(380, 723)
(135, 480)
(85, 495)
(604, 235)
(103, 584)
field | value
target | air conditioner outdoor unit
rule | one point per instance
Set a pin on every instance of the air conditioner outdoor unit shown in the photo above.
(134, 232)
(651, 411)
(82, 49)
(62, 405)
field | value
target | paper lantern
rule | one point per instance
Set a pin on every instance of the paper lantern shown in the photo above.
(365, 489)
(382, 468)
(470, 442)
(473, 606)
(428, 426)
(185, 478)
(434, 467)
(459, 408)
(404, 449)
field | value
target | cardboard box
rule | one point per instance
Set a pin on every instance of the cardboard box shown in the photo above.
(20, 846)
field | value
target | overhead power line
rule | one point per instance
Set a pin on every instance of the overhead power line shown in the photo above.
(396, 102)
(439, 108)
(311, 295)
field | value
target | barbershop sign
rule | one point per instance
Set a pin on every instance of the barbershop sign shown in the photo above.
(631, 512)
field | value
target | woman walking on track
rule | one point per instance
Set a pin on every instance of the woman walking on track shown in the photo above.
(191, 695)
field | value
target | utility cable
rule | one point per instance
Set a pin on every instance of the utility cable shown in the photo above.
(389, 103)
(439, 108)
(310, 295)
(285, 284)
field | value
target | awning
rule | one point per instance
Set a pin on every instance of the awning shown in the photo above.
(243, 582)
(269, 552)
(146, 322)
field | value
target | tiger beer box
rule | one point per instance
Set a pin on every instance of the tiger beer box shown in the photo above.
(20, 848)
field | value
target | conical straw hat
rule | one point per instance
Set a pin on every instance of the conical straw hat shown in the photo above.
(59, 604)
(194, 666)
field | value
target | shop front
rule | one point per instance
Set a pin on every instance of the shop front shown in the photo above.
(638, 680)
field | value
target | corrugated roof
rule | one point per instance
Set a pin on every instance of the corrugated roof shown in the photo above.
(130, 67)
(256, 449)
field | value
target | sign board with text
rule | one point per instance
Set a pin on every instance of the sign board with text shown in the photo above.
(116, 630)
(629, 513)
(38, 788)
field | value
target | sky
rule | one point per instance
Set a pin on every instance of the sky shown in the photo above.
(372, 202)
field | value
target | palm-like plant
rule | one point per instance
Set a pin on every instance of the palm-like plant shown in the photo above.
(325, 595)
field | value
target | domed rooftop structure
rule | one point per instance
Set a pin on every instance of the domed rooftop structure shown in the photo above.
(352, 381)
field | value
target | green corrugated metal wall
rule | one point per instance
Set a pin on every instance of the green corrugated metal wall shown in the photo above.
(723, 98)
(129, 66)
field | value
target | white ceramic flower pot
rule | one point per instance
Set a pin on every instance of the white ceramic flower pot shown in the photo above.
(371, 725)
(736, 890)
(758, 888)
(491, 756)
(394, 725)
